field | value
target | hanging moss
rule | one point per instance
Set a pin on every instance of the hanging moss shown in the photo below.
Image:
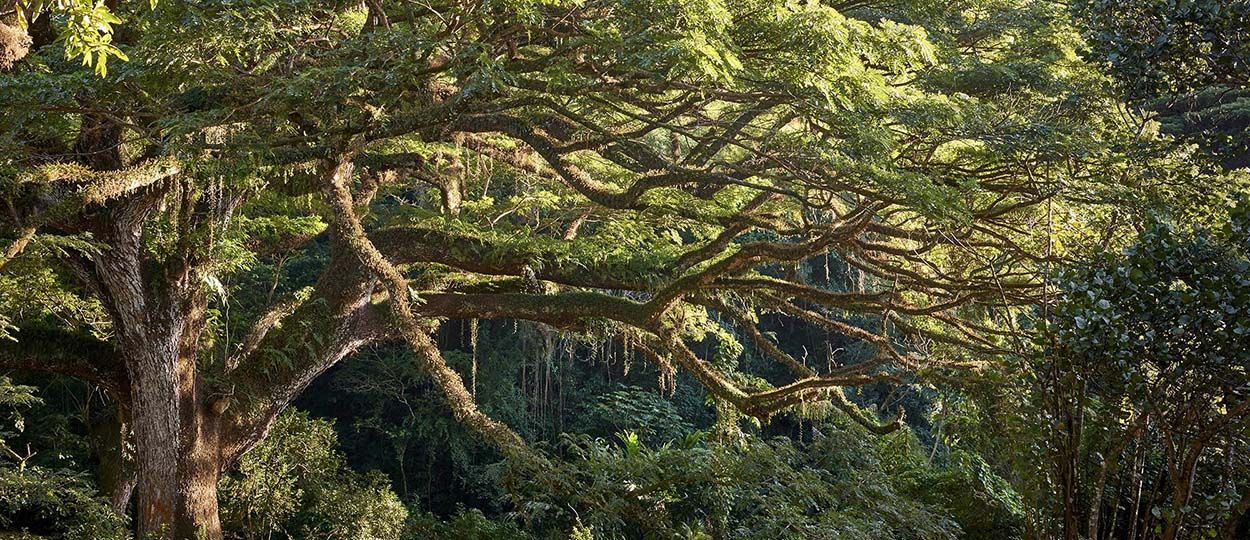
(14, 45)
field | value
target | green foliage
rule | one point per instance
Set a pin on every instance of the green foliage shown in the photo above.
(843, 484)
(984, 142)
(1183, 60)
(88, 28)
(983, 503)
(634, 410)
(1172, 311)
(1164, 47)
(31, 289)
(14, 397)
(1157, 334)
(296, 485)
(56, 504)
(465, 524)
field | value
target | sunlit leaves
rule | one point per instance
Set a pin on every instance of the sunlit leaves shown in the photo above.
(89, 27)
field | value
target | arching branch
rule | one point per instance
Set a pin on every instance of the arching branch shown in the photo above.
(348, 229)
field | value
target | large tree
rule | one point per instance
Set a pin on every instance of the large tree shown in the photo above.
(650, 170)
(1185, 63)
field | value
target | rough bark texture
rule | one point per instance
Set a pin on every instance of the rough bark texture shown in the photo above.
(115, 468)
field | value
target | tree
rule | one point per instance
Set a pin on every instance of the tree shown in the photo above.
(1183, 61)
(1153, 341)
(1129, 417)
(642, 169)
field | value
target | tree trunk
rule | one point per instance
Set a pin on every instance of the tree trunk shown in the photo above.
(178, 448)
(200, 457)
(197, 512)
(1137, 483)
(1095, 499)
(156, 428)
(115, 466)
(158, 309)
(177, 434)
(1182, 488)
(1110, 466)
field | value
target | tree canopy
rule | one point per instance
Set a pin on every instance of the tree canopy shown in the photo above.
(211, 204)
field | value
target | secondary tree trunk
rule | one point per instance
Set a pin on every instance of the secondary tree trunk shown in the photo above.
(200, 460)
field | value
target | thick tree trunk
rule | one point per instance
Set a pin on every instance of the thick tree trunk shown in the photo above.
(177, 435)
(158, 307)
(178, 447)
(155, 416)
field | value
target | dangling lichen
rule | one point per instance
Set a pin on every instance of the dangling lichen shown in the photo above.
(473, 352)
(626, 355)
(14, 45)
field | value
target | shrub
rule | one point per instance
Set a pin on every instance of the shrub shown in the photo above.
(297, 485)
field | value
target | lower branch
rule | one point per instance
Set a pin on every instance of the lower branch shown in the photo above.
(50, 349)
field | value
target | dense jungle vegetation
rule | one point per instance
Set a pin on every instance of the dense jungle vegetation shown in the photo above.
(615, 269)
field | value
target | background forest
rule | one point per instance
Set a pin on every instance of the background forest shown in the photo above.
(609, 269)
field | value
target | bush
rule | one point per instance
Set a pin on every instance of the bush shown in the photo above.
(296, 485)
(847, 484)
(56, 504)
(465, 525)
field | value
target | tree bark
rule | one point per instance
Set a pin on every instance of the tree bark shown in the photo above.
(115, 468)
(200, 457)
(178, 443)
(1182, 487)
(177, 436)
(156, 431)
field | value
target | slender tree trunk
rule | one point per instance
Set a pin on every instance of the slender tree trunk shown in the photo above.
(1182, 487)
(1070, 462)
(1110, 467)
(1095, 499)
(1155, 489)
(1137, 483)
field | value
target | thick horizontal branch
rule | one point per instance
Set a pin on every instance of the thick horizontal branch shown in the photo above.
(407, 245)
(561, 310)
(57, 191)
